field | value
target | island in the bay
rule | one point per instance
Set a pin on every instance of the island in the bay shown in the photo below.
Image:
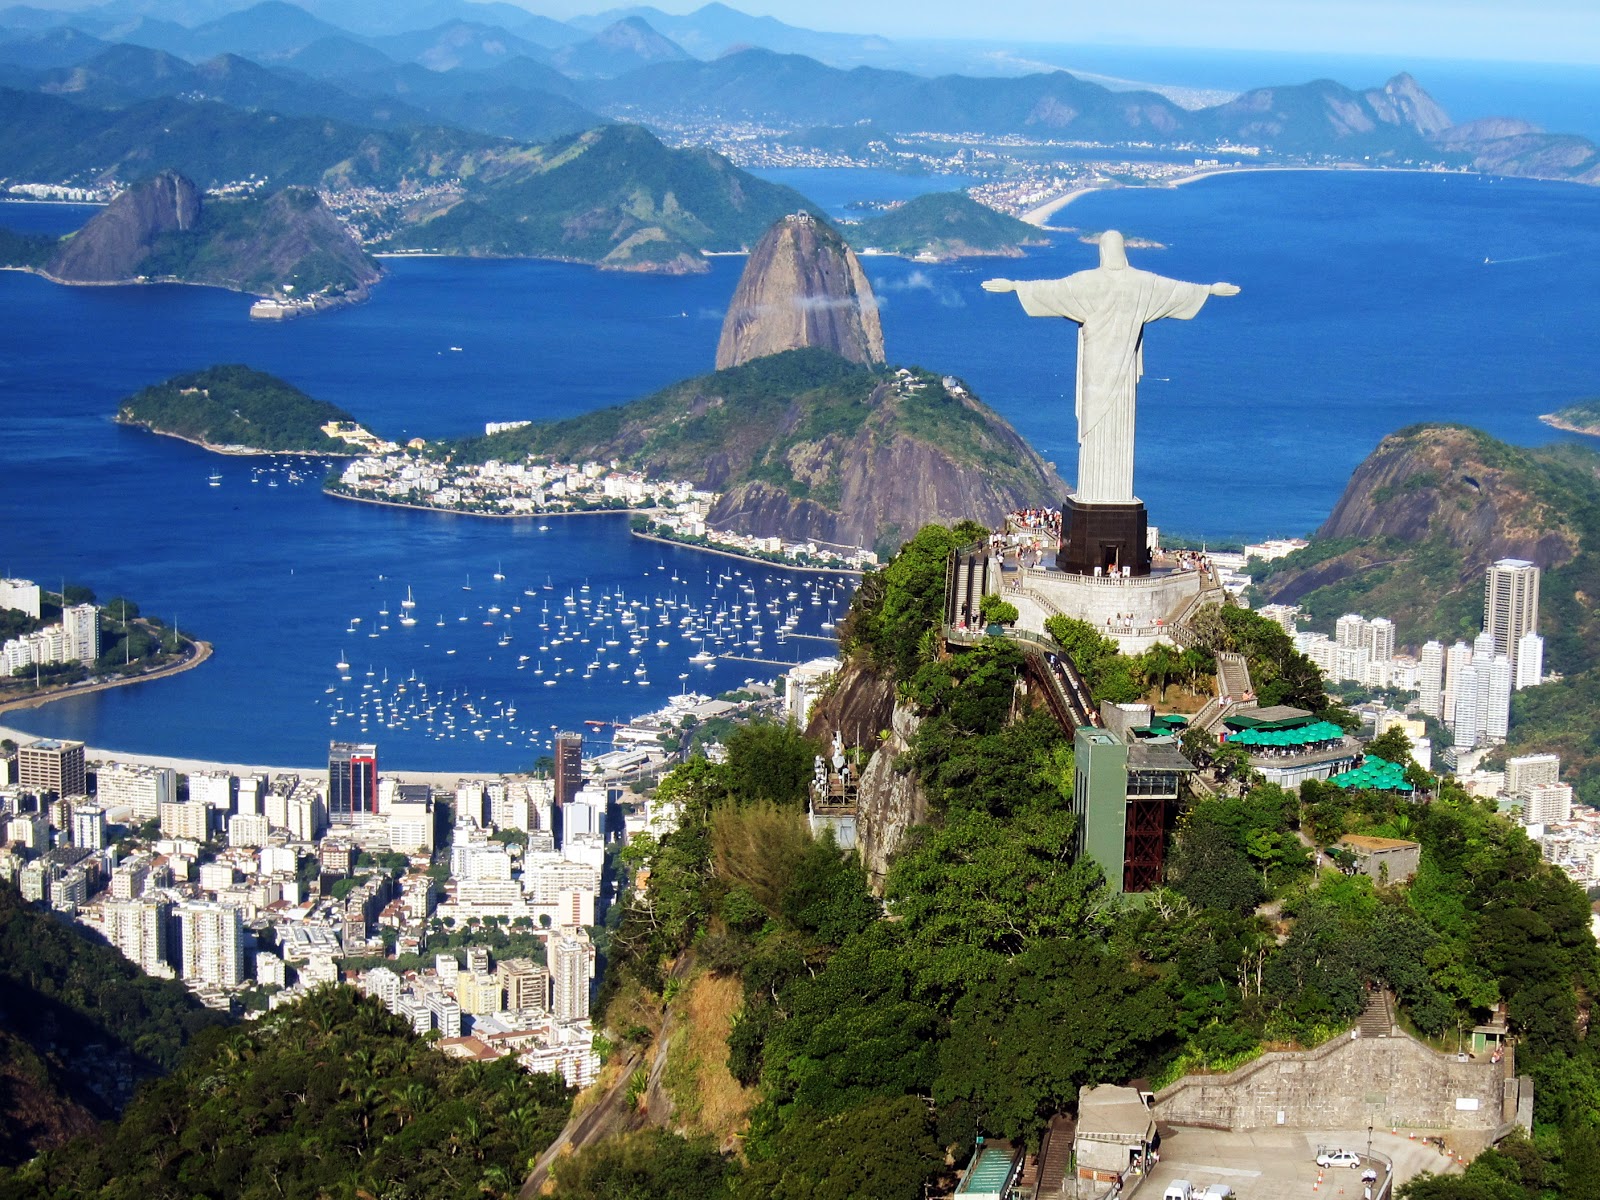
(944, 225)
(1582, 417)
(284, 247)
(233, 409)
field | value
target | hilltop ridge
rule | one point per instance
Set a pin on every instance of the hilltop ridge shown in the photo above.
(285, 243)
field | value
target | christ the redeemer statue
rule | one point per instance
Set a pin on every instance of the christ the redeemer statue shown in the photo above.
(1111, 304)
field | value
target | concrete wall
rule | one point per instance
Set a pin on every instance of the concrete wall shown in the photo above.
(1149, 598)
(1393, 1083)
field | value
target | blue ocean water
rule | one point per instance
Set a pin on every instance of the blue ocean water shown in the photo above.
(1367, 305)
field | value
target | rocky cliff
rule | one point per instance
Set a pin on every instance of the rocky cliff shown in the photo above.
(862, 707)
(802, 286)
(162, 229)
(1422, 517)
(115, 245)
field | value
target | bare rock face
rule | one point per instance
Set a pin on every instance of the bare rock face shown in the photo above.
(114, 245)
(1402, 101)
(802, 286)
(883, 483)
(889, 802)
(1453, 483)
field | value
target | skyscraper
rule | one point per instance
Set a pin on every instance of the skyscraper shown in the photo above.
(572, 969)
(80, 628)
(1510, 604)
(1430, 678)
(210, 945)
(1529, 660)
(1497, 712)
(138, 928)
(1468, 723)
(50, 767)
(1457, 658)
(352, 782)
(89, 827)
(569, 766)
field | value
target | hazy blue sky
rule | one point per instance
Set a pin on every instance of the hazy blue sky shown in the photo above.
(1533, 30)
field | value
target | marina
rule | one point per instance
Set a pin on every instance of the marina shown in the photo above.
(676, 630)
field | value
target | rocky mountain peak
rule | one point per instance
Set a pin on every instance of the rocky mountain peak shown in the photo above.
(114, 244)
(1402, 101)
(802, 286)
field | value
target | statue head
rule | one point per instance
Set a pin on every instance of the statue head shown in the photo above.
(1113, 254)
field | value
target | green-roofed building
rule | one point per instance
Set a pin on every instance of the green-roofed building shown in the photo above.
(1288, 745)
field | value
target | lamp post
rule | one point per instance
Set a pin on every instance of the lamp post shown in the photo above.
(1369, 1141)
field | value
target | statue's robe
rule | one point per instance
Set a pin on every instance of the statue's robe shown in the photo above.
(1111, 305)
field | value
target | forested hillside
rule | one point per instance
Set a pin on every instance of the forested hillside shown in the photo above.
(80, 1026)
(331, 1096)
(1009, 977)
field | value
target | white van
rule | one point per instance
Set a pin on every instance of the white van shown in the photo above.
(1178, 1189)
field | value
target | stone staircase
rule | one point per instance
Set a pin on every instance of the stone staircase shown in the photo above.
(1055, 1158)
(1233, 675)
(1377, 1019)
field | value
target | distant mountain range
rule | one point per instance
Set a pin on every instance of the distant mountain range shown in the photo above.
(496, 69)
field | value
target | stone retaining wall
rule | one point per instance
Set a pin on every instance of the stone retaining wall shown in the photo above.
(1347, 1083)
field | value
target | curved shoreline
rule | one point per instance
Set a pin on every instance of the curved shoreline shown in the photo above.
(1555, 421)
(749, 558)
(1041, 215)
(233, 451)
(494, 516)
(187, 663)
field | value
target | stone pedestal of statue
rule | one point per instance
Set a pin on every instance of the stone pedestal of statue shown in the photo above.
(1102, 538)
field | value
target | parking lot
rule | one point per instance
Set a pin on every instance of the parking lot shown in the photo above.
(1271, 1163)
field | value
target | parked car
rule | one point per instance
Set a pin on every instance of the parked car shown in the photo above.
(1217, 1191)
(1178, 1189)
(1338, 1158)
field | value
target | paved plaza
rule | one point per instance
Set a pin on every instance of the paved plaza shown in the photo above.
(1270, 1164)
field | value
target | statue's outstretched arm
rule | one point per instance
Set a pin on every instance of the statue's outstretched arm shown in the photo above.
(999, 285)
(1217, 289)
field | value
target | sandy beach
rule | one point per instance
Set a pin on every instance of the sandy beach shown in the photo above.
(1041, 216)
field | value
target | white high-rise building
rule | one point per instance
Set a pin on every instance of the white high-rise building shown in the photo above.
(1468, 724)
(248, 829)
(1430, 679)
(1347, 630)
(23, 595)
(1510, 604)
(1497, 712)
(214, 789)
(210, 945)
(1378, 637)
(1547, 803)
(1483, 647)
(1456, 659)
(249, 793)
(1529, 660)
(88, 827)
(1529, 770)
(384, 984)
(571, 970)
(80, 629)
(446, 1014)
(138, 928)
(140, 788)
(191, 821)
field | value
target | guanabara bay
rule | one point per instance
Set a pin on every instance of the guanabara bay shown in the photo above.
(799, 603)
